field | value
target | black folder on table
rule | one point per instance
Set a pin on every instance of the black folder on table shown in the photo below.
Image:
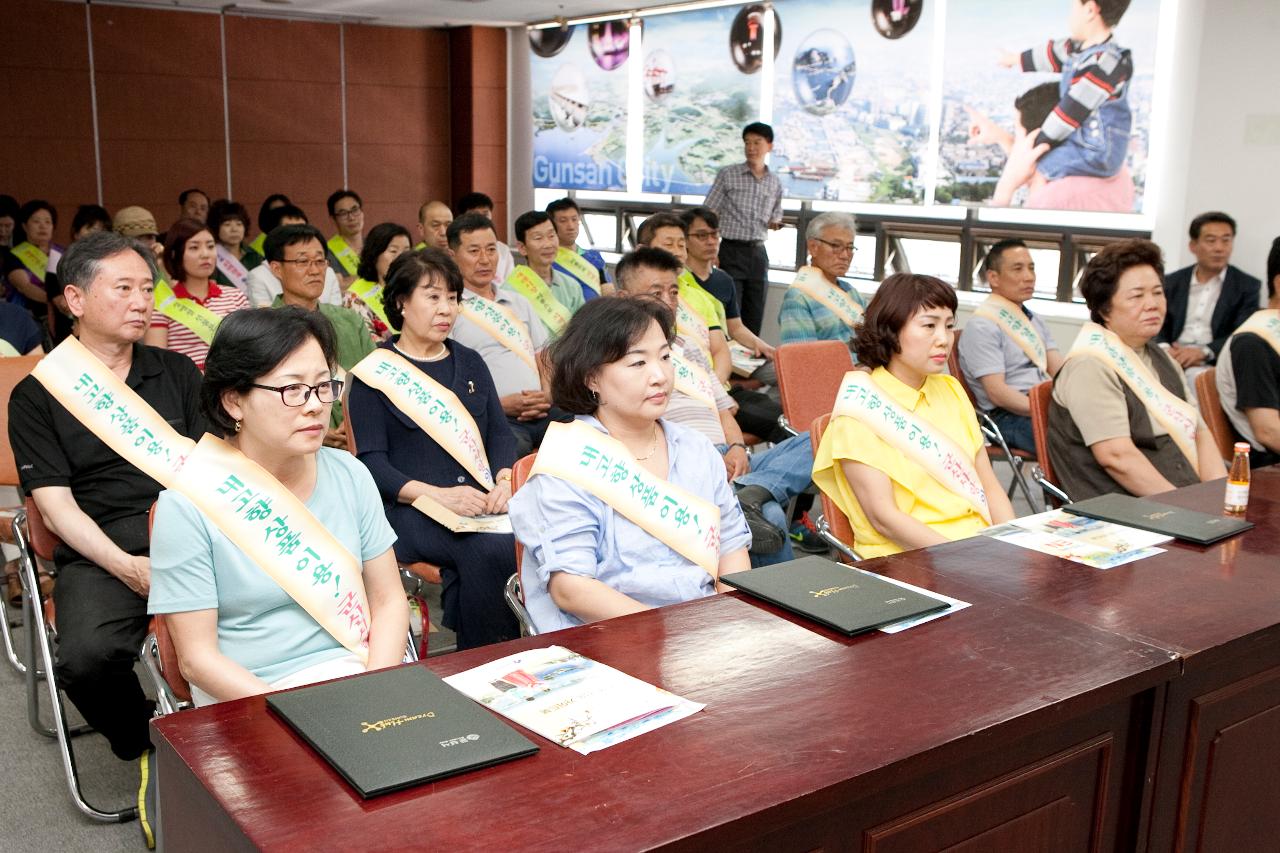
(1202, 528)
(848, 600)
(397, 727)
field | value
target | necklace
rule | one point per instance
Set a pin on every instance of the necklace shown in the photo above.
(653, 448)
(444, 350)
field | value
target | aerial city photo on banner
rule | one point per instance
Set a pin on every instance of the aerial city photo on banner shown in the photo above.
(996, 103)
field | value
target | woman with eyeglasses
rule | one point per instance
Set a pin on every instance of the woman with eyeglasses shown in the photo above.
(190, 258)
(421, 299)
(821, 305)
(268, 387)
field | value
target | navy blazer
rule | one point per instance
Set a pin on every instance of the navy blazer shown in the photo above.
(1238, 300)
(396, 450)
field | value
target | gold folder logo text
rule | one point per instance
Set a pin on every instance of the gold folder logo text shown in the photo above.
(831, 590)
(390, 722)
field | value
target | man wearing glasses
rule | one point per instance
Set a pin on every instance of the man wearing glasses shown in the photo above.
(347, 212)
(94, 499)
(296, 256)
(821, 305)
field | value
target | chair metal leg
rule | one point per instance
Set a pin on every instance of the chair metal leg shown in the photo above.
(7, 627)
(1050, 490)
(511, 592)
(992, 432)
(824, 530)
(39, 632)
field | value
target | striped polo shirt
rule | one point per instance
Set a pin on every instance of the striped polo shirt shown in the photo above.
(221, 301)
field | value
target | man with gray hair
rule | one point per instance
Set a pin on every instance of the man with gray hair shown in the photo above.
(93, 499)
(821, 305)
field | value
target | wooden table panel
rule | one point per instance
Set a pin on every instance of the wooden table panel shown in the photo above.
(799, 722)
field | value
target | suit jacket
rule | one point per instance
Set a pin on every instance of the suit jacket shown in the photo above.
(1237, 301)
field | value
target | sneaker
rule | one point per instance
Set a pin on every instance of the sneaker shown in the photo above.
(765, 538)
(804, 536)
(147, 797)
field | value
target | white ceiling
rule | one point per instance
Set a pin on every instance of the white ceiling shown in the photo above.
(409, 13)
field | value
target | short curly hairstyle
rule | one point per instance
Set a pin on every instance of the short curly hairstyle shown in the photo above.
(407, 271)
(1102, 274)
(897, 300)
(600, 333)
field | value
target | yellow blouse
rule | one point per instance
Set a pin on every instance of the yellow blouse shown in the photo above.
(942, 403)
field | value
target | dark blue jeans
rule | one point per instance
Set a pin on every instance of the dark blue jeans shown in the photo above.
(1016, 429)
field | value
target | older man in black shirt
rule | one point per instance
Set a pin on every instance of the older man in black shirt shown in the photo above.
(93, 499)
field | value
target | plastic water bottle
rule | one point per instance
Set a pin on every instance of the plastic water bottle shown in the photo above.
(1237, 499)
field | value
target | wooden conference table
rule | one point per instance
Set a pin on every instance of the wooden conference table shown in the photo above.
(1067, 709)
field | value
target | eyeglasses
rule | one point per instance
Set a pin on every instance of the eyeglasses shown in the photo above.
(346, 214)
(704, 235)
(307, 263)
(299, 393)
(838, 248)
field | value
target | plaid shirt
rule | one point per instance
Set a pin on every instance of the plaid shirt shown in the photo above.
(746, 204)
(803, 319)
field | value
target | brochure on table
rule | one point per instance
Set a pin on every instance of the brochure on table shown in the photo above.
(571, 700)
(1099, 544)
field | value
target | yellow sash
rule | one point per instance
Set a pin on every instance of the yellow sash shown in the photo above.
(505, 327)
(602, 465)
(1177, 416)
(529, 284)
(276, 530)
(1265, 324)
(1008, 315)
(257, 244)
(812, 283)
(7, 350)
(692, 380)
(578, 267)
(230, 266)
(33, 258)
(863, 400)
(187, 312)
(370, 293)
(433, 407)
(113, 411)
(346, 255)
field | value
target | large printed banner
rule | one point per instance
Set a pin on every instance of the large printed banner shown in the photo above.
(851, 100)
(579, 83)
(1043, 103)
(1011, 67)
(701, 85)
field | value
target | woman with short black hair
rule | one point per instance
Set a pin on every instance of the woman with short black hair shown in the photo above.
(448, 384)
(1120, 418)
(384, 243)
(588, 557)
(903, 456)
(269, 384)
(228, 222)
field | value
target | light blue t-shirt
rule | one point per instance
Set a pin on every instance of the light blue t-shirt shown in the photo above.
(565, 528)
(195, 567)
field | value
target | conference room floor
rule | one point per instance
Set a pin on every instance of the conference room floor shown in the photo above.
(36, 812)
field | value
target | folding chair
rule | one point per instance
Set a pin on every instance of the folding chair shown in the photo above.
(834, 527)
(514, 590)
(996, 445)
(809, 377)
(413, 576)
(35, 540)
(1224, 434)
(1043, 473)
(12, 371)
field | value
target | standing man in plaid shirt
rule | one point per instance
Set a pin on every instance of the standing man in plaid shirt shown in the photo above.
(748, 198)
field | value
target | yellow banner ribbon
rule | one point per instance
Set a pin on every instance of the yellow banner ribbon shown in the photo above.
(578, 267)
(186, 312)
(524, 281)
